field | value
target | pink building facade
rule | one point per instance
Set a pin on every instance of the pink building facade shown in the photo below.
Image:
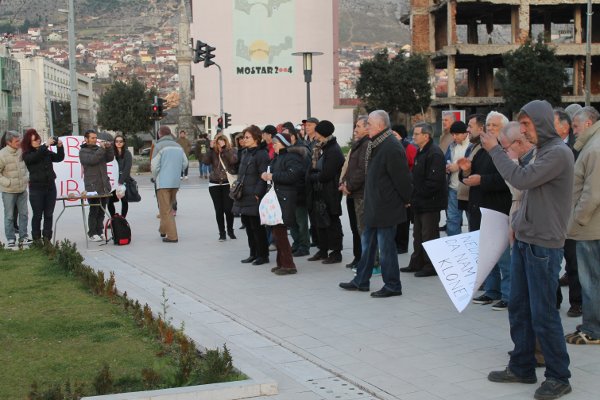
(262, 82)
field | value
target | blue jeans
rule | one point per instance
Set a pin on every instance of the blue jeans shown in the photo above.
(454, 215)
(10, 200)
(385, 239)
(497, 284)
(532, 312)
(588, 254)
(204, 169)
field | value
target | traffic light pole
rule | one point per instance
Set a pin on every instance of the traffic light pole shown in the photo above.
(220, 90)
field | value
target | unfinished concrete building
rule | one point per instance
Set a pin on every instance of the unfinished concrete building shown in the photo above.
(466, 39)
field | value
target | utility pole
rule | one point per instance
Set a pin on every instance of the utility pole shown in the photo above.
(73, 71)
(588, 55)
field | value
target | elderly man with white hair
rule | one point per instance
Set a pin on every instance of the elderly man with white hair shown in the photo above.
(487, 189)
(387, 190)
(13, 185)
(584, 224)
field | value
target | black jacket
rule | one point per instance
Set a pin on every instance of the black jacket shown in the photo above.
(125, 164)
(388, 186)
(288, 170)
(253, 163)
(301, 149)
(491, 193)
(39, 164)
(322, 182)
(430, 192)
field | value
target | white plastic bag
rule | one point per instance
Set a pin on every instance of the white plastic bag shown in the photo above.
(269, 208)
(120, 191)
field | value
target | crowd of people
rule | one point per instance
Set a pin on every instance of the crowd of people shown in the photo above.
(540, 170)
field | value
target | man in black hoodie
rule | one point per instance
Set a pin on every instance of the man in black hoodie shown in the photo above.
(540, 227)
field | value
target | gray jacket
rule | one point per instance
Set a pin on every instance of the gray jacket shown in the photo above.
(93, 160)
(168, 162)
(547, 182)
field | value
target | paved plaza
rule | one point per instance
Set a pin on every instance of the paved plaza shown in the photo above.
(314, 339)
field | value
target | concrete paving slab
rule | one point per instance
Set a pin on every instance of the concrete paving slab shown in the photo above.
(302, 331)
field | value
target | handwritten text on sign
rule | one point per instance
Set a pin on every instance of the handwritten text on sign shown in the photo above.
(69, 173)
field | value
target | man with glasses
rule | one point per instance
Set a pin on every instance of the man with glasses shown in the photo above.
(94, 155)
(429, 197)
(13, 184)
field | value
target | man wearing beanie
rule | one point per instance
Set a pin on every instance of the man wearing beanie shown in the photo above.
(323, 197)
(456, 151)
(387, 190)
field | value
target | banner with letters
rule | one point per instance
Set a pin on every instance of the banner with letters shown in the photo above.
(69, 173)
(463, 261)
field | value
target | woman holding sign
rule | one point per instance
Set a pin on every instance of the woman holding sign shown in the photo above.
(42, 190)
(125, 160)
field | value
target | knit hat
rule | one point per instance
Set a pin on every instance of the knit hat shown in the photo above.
(325, 128)
(283, 138)
(270, 129)
(458, 127)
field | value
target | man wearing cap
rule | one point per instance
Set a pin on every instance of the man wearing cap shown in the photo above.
(309, 127)
(456, 151)
(322, 190)
(387, 190)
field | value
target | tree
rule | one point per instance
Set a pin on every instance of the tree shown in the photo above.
(531, 72)
(125, 107)
(400, 84)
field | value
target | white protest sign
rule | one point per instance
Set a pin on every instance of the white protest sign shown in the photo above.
(463, 261)
(69, 173)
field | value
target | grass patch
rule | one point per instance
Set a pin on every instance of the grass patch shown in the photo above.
(54, 331)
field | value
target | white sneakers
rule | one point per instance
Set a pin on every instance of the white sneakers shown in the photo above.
(97, 238)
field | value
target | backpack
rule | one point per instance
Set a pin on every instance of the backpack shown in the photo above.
(121, 232)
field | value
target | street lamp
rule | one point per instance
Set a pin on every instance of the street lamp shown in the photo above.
(307, 66)
(72, 69)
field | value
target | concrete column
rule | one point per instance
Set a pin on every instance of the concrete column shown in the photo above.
(514, 24)
(577, 24)
(451, 76)
(523, 21)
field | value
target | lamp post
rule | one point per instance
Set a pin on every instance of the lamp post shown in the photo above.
(72, 69)
(307, 66)
(588, 55)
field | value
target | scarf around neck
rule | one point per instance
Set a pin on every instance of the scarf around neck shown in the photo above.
(374, 143)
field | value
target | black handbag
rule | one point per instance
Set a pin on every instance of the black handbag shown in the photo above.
(131, 191)
(236, 189)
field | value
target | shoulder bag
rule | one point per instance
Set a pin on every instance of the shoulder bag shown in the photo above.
(131, 191)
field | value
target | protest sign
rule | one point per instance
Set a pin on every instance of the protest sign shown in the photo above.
(463, 261)
(69, 173)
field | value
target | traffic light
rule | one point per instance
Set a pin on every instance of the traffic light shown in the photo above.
(160, 104)
(208, 56)
(199, 52)
(227, 120)
(57, 109)
(154, 108)
(220, 123)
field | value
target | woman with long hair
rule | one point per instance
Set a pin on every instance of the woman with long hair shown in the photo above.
(125, 160)
(253, 163)
(222, 158)
(42, 189)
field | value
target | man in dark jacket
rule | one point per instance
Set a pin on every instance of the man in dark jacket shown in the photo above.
(93, 158)
(352, 184)
(487, 189)
(540, 228)
(387, 190)
(429, 197)
(325, 199)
